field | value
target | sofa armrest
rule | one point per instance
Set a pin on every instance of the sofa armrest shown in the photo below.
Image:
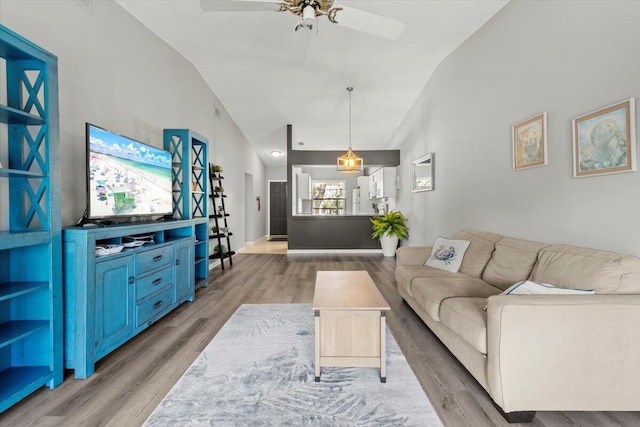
(564, 352)
(412, 255)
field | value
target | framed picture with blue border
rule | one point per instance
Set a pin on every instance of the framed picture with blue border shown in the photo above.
(604, 141)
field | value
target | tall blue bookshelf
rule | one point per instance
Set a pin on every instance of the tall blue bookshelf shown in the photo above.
(31, 345)
(190, 193)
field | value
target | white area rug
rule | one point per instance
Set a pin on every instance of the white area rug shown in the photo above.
(258, 371)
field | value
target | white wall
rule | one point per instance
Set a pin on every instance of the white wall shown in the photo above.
(115, 73)
(277, 173)
(563, 57)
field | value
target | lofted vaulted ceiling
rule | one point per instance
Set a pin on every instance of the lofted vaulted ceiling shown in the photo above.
(244, 58)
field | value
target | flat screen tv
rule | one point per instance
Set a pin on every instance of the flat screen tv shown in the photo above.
(125, 177)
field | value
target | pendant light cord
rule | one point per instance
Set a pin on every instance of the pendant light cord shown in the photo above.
(349, 89)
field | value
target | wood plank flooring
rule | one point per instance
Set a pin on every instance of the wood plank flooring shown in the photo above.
(130, 382)
(264, 246)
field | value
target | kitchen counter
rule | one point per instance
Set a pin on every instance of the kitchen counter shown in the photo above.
(367, 215)
(331, 232)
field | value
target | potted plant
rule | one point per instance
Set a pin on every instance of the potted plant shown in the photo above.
(217, 169)
(390, 227)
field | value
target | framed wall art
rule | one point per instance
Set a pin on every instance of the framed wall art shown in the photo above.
(604, 141)
(529, 139)
(422, 173)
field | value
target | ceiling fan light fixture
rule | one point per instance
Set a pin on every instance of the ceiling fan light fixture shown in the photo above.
(308, 18)
(309, 14)
(309, 11)
(349, 161)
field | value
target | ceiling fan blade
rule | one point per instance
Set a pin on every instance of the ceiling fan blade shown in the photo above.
(369, 23)
(238, 5)
(298, 46)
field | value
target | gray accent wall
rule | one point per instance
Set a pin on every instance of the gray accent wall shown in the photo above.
(563, 57)
(117, 74)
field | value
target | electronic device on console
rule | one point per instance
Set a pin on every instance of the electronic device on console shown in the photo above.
(126, 178)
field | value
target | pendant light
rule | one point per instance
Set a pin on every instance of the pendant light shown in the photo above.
(349, 162)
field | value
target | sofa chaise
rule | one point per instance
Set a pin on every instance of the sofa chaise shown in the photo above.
(534, 352)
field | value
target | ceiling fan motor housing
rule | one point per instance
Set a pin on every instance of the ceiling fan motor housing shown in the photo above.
(310, 9)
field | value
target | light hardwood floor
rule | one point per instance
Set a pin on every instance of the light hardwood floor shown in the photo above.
(264, 246)
(131, 381)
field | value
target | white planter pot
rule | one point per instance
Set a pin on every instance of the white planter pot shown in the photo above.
(389, 245)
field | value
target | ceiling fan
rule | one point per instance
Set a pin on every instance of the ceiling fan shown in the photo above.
(311, 10)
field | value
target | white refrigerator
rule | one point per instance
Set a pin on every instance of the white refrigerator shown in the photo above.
(360, 197)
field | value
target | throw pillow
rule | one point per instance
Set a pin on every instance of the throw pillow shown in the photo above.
(529, 287)
(447, 254)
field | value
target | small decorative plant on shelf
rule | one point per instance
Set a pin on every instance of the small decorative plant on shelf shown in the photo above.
(217, 169)
(220, 249)
(218, 189)
(390, 228)
(220, 208)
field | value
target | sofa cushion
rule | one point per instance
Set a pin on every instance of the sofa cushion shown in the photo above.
(512, 262)
(447, 254)
(466, 317)
(430, 292)
(581, 268)
(479, 252)
(406, 273)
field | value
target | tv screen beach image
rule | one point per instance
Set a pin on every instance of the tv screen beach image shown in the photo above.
(127, 177)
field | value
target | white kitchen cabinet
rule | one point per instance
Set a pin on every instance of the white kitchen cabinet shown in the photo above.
(383, 183)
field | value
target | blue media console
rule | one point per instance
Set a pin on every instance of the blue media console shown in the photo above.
(111, 298)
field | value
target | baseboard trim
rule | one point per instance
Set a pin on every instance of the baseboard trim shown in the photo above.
(333, 251)
(257, 240)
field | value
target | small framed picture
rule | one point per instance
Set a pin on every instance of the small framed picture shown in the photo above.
(529, 140)
(604, 141)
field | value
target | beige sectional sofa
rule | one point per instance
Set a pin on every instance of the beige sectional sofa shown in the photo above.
(534, 352)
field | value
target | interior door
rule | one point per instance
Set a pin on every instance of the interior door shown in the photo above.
(278, 208)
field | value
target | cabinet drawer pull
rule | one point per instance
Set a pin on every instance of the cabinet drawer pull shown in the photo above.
(177, 262)
(157, 258)
(131, 280)
(158, 304)
(157, 281)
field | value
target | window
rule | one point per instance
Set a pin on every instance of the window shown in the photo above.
(329, 197)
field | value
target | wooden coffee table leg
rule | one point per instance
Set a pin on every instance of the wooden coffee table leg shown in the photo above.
(317, 364)
(383, 347)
